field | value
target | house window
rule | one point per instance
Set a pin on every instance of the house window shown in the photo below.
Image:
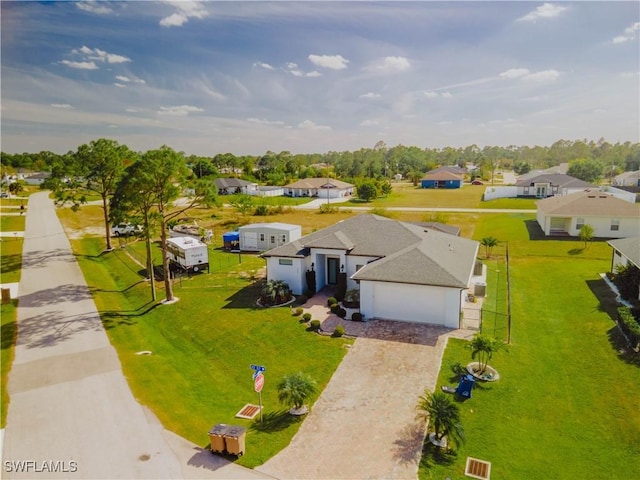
(579, 223)
(615, 224)
(283, 238)
(526, 190)
(272, 239)
(262, 237)
(285, 261)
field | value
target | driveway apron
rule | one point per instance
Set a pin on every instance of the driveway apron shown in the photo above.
(363, 425)
(71, 413)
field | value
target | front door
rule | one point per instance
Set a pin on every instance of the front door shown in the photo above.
(332, 270)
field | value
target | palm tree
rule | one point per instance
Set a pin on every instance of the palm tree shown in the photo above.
(443, 416)
(483, 347)
(488, 243)
(294, 389)
(275, 292)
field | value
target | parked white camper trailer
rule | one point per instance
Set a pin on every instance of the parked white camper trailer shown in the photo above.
(188, 253)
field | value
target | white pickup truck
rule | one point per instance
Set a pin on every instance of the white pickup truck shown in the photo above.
(125, 229)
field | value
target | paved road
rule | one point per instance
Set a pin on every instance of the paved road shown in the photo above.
(70, 402)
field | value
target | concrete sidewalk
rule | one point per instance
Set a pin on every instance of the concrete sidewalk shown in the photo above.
(70, 404)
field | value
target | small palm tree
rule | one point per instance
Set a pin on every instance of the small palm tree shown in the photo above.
(483, 347)
(275, 292)
(294, 390)
(443, 416)
(488, 243)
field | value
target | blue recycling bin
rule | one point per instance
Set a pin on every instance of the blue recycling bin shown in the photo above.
(465, 386)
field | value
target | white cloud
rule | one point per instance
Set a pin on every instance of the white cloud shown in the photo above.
(95, 54)
(92, 6)
(125, 79)
(179, 111)
(392, 64)
(432, 94)
(369, 123)
(131, 110)
(266, 66)
(185, 11)
(546, 10)
(64, 106)
(314, 73)
(515, 73)
(309, 125)
(80, 65)
(122, 78)
(370, 95)
(334, 62)
(120, 85)
(262, 121)
(528, 75)
(542, 76)
(295, 71)
(629, 34)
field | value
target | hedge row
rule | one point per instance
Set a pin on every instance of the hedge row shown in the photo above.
(629, 326)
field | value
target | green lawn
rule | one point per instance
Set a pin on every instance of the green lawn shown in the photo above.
(203, 345)
(11, 223)
(8, 315)
(567, 403)
(469, 196)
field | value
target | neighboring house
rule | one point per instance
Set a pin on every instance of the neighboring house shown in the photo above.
(228, 186)
(548, 185)
(37, 178)
(626, 251)
(319, 187)
(442, 179)
(609, 216)
(404, 271)
(627, 179)
(258, 237)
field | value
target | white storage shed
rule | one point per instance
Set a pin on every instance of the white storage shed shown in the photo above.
(258, 237)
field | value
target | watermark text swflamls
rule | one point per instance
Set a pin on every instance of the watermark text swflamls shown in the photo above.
(41, 466)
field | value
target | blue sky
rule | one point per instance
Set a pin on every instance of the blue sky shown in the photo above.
(247, 77)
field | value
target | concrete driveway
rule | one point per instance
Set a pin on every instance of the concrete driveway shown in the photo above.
(71, 413)
(363, 425)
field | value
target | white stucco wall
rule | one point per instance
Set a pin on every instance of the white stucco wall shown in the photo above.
(293, 274)
(410, 303)
(629, 227)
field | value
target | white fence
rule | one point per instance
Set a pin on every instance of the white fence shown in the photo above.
(491, 193)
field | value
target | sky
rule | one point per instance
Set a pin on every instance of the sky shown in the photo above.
(312, 77)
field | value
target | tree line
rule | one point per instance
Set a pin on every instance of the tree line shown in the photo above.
(597, 160)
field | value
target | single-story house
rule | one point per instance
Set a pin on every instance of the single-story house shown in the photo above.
(626, 251)
(548, 185)
(627, 179)
(228, 186)
(442, 179)
(36, 178)
(258, 237)
(404, 271)
(319, 187)
(609, 216)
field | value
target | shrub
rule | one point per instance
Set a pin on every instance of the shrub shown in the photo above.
(261, 211)
(306, 317)
(339, 331)
(331, 301)
(314, 325)
(629, 326)
(356, 317)
(341, 312)
(334, 308)
(352, 299)
(298, 311)
(328, 208)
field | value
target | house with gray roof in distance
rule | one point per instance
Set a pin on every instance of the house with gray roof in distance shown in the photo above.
(548, 185)
(319, 187)
(627, 179)
(442, 179)
(609, 216)
(404, 271)
(229, 186)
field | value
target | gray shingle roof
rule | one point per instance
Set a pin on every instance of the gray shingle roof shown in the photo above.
(589, 202)
(408, 253)
(320, 183)
(557, 179)
(231, 183)
(629, 247)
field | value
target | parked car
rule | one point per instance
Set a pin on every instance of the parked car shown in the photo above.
(477, 182)
(4, 195)
(125, 229)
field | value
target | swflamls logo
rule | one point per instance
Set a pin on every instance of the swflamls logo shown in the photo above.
(41, 466)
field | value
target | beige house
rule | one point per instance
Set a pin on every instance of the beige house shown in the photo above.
(609, 216)
(319, 187)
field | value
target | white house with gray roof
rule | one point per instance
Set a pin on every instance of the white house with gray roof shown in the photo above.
(404, 271)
